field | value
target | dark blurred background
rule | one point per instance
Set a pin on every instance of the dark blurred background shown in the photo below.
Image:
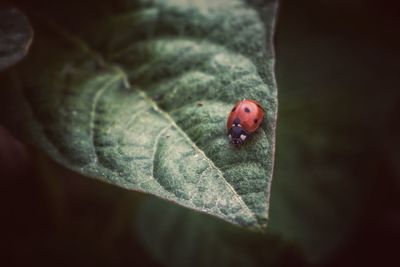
(338, 155)
(336, 184)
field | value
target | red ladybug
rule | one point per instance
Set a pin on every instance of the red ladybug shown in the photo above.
(244, 119)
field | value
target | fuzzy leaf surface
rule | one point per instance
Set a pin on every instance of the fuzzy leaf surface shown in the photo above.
(137, 95)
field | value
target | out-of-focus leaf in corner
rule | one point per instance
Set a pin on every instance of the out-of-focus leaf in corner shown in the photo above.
(15, 36)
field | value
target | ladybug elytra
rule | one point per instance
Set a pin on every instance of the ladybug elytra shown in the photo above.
(244, 119)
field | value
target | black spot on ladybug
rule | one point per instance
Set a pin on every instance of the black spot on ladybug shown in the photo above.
(247, 110)
(236, 121)
(255, 120)
(234, 108)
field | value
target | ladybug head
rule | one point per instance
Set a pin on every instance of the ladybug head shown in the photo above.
(237, 135)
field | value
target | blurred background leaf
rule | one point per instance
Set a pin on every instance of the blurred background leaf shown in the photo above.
(15, 36)
(180, 237)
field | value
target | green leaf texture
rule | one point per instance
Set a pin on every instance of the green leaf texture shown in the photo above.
(139, 95)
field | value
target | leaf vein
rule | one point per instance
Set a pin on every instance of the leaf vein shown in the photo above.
(92, 122)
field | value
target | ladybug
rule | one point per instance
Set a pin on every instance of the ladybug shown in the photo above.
(244, 119)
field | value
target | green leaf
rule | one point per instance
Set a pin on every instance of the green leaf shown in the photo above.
(15, 36)
(138, 96)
